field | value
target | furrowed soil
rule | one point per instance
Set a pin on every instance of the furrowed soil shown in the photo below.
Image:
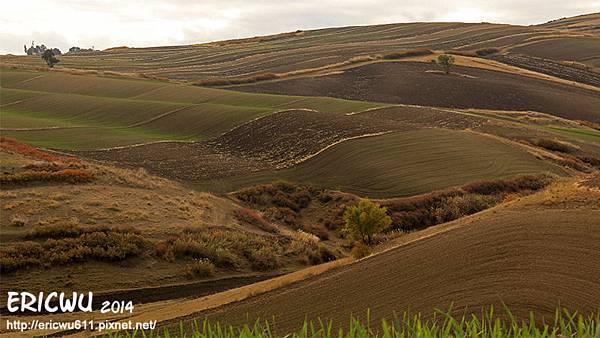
(423, 84)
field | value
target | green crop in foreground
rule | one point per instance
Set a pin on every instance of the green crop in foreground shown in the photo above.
(441, 324)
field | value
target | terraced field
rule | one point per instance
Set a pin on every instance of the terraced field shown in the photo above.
(88, 112)
(305, 50)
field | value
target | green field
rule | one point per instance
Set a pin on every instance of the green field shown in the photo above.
(402, 164)
(488, 324)
(91, 112)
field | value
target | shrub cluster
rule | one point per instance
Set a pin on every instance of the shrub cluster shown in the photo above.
(251, 217)
(101, 243)
(200, 268)
(554, 145)
(236, 80)
(224, 248)
(407, 53)
(419, 212)
(487, 51)
(280, 200)
(15, 146)
(72, 176)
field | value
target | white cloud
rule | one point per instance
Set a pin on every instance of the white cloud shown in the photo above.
(108, 23)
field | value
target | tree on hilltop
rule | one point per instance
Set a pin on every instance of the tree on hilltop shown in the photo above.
(50, 58)
(445, 62)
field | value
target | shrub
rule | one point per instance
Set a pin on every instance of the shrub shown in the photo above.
(32, 152)
(264, 259)
(190, 247)
(407, 53)
(422, 211)
(163, 250)
(591, 160)
(104, 246)
(20, 255)
(365, 220)
(251, 217)
(200, 268)
(55, 231)
(17, 221)
(65, 175)
(318, 230)
(320, 254)
(456, 207)
(360, 250)
(237, 80)
(554, 145)
(510, 185)
(487, 51)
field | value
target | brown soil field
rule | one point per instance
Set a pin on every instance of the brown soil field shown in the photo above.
(572, 72)
(422, 84)
(580, 49)
(534, 263)
(589, 23)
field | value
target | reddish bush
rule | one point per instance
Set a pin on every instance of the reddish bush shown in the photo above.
(251, 217)
(32, 152)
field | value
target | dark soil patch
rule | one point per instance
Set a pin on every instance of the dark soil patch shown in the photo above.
(415, 83)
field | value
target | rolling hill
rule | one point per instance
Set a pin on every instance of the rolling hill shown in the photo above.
(496, 257)
(306, 50)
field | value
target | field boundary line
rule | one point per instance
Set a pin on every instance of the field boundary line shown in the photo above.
(308, 157)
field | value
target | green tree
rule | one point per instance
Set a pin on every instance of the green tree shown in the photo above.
(445, 62)
(365, 220)
(50, 58)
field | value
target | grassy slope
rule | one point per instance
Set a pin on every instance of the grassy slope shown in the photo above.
(533, 254)
(105, 112)
(404, 163)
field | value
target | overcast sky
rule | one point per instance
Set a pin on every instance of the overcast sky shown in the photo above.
(138, 23)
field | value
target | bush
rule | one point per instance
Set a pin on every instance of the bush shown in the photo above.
(18, 221)
(360, 250)
(62, 176)
(99, 245)
(407, 53)
(237, 80)
(487, 51)
(422, 211)
(554, 145)
(190, 247)
(510, 185)
(591, 160)
(200, 268)
(55, 231)
(13, 145)
(264, 259)
(251, 217)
